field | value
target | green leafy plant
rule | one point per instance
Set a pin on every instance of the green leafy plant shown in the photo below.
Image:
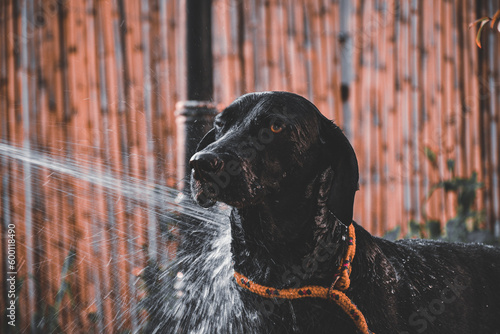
(466, 226)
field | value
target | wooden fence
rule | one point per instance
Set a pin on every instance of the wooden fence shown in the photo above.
(87, 99)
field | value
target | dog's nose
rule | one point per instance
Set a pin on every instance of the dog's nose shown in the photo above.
(205, 163)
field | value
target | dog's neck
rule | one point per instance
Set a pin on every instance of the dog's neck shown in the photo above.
(290, 239)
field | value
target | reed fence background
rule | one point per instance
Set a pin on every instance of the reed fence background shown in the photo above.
(88, 89)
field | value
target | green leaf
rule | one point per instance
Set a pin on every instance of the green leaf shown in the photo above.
(481, 236)
(393, 234)
(431, 156)
(434, 229)
(448, 185)
(456, 231)
(68, 264)
(415, 230)
(450, 163)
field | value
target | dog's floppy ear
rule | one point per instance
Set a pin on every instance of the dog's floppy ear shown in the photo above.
(208, 139)
(344, 164)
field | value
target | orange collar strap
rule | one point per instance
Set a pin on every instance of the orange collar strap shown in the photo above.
(334, 292)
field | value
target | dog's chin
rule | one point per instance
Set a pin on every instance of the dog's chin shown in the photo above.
(241, 202)
(203, 198)
(205, 202)
(206, 195)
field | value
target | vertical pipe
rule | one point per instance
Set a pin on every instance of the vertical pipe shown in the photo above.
(199, 50)
(195, 115)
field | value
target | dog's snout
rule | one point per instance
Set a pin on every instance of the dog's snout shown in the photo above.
(205, 163)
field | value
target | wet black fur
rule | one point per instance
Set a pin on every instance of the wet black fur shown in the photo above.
(293, 194)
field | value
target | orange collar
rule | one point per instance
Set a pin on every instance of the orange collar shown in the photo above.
(334, 292)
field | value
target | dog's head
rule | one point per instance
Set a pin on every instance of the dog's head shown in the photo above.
(265, 145)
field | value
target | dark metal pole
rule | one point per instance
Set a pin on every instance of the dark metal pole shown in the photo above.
(199, 50)
(195, 116)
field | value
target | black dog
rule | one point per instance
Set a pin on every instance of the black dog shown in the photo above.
(290, 174)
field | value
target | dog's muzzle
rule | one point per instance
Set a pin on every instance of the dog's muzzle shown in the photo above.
(205, 164)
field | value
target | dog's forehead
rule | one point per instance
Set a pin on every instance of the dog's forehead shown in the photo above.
(255, 105)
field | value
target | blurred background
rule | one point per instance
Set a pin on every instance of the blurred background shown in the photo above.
(89, 151)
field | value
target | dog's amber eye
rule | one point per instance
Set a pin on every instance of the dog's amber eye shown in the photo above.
(277, 127)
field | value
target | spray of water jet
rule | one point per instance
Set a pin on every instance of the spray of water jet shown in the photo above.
(189, 292)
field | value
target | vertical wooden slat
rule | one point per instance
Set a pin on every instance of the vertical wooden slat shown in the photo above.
(415, 91)
(107, 228)
(346, 51)
(25, 71)
(152, 233)
(73, 27)
(494, 134)
(388, 215)
(120, 30)
(494, 223)
(5, 179)
(99, 284)
(441, 104)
